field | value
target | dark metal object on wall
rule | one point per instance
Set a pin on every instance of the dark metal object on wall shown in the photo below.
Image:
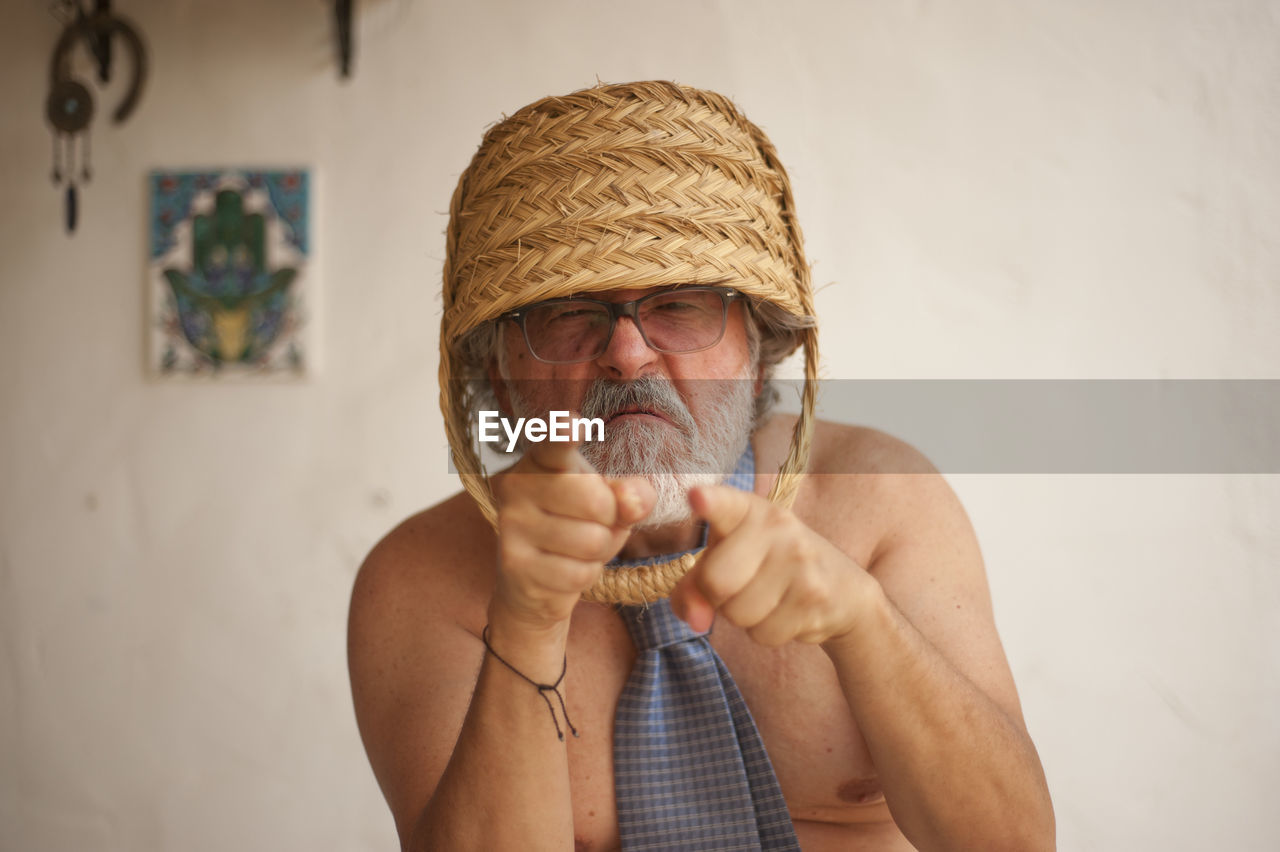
(342, 12)
(69, 106)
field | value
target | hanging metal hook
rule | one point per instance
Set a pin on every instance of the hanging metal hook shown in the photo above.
(96, 30)
(69, 105)
(342, 10)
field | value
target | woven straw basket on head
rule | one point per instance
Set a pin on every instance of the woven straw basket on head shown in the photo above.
(619, 186)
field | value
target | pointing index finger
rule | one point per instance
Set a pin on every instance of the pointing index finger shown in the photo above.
(722, 507)
(559, 456)
(635, 497)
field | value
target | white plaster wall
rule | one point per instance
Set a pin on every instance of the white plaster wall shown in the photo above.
(990, 190)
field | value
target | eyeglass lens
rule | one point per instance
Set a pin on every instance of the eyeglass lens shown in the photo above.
(676, 321)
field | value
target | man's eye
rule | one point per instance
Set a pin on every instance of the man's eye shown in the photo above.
(680, 307)
(571, 312)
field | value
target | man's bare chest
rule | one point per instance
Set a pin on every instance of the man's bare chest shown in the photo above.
(819, 756)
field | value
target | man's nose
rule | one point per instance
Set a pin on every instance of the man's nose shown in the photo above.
(627, 356)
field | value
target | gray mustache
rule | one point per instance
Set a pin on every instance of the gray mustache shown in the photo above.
(606, 397)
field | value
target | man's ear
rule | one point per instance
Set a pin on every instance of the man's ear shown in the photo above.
(759, 385)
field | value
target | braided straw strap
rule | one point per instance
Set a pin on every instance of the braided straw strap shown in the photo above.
(640, 584)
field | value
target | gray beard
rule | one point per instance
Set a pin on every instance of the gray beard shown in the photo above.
(674, 459)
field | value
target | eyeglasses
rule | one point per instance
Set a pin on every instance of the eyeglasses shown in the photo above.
(679, 321)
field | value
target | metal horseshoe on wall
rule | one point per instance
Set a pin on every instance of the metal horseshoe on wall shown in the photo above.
(69, 106)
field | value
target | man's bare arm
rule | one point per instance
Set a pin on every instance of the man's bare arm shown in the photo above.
(449, 747)
(913, 642)
(467, 761)
(506, 785)
(927, 680)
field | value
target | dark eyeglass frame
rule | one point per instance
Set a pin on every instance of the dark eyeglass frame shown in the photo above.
(628, 309)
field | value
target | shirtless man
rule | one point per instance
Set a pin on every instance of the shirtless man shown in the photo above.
(856, 623)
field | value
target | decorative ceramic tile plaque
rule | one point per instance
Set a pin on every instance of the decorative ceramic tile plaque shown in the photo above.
(229, 273)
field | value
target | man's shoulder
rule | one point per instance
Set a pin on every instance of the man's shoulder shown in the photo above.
(841, 448)
(864, 487)
(437, 555)
(429, 533)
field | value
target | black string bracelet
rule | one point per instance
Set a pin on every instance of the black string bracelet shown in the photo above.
(543, 688)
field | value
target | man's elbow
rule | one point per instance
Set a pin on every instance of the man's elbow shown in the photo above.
(1034, 831)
